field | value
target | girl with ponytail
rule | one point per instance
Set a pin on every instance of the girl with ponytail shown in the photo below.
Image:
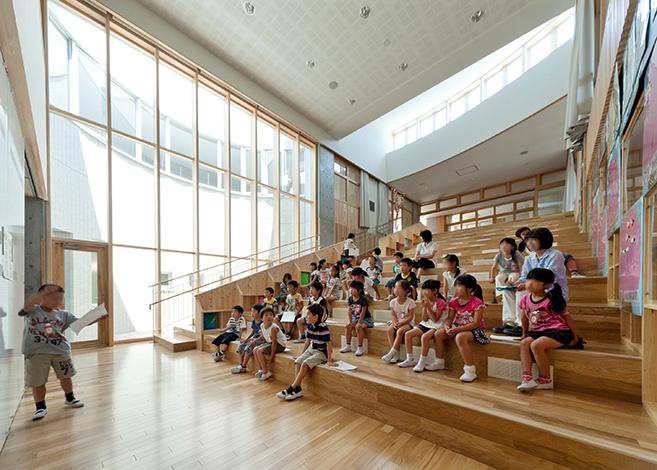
(546, 324)
(452, 271)
(464, 324)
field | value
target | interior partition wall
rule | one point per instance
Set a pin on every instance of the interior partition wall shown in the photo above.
(162, 161)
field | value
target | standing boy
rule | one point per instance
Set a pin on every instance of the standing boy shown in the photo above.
(317, 350)
(45, 346)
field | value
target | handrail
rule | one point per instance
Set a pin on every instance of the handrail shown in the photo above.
(234, 274)
(233, 259)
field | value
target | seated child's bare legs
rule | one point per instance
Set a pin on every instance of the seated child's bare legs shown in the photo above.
(462, 341)
(301, 323)
(360, 334)
(400, 335)
(391, 334)
(415, 332)
(261, 359)
(425, 341)
(526, 357)
(419, 272)
(289, 327)
(300, 371)
(439, 337)
(538, 349)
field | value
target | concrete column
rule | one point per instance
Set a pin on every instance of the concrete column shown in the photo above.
(326, 204)
(35, 232)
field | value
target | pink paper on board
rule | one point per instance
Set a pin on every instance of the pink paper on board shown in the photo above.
(630, 253)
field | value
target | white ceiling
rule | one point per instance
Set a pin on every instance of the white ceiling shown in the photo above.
(435, 37)
(498, 159)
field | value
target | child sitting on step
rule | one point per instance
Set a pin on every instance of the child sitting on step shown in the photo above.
(370, 291)
(314, 276)
(269, 300)
(361, 318)
(248, 344)
(396, 269)
(406, 274)
(464, 323)
(373, 270)
(233, 330)
(425, 254)
(323, 271)
(452, 271)
(316, 351)
(287, 277)
(316, 289)
(334, 285)
(509, 261)
(345, 275)
(434, 313)
(403, 319)
(274, 342)
(546, 324)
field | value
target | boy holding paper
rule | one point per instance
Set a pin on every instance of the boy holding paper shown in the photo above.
(45, 346)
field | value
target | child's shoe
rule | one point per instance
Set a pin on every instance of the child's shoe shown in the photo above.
(75, 403)
(346, 349)
(296, 393)
(419, 367)
(387, 357)
(409, 362)
(438, 365)
(359, 351)
(40, 413)
(284, 393)
(264, 377)
(301, 339)
(216, 356)
(395, 357)
(527, 385)
(258, 374)
(238, 369)
(469, 374)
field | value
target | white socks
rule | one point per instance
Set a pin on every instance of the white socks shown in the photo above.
(409, 357)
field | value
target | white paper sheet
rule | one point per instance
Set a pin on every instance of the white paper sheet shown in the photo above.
(90, 316)
(344, 366)
(510, 339)
(288, 317)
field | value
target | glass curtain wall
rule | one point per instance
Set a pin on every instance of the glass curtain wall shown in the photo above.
(145, 167)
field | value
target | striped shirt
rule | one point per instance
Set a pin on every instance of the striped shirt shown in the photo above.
(319, 336)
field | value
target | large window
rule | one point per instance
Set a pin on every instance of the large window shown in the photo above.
(551, 36)
(218, 155)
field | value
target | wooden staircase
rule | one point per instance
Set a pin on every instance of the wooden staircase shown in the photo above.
(593, 417)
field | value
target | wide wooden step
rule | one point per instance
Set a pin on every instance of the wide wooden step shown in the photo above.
(175, 342)
(488, 419)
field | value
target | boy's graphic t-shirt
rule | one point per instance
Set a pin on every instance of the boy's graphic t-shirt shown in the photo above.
(372, 271)
(403, 311)
(324, 275)
(439, 304)
(541, 315)
(396, 269)
(294, 302)
(273, 303)
(466, 314)
(356, 307)
(234, 326)
(43, 332)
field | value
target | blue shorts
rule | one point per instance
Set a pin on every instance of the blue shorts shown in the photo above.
(424, 329)
(369, 322)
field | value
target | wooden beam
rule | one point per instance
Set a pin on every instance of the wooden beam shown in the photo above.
(11, 51)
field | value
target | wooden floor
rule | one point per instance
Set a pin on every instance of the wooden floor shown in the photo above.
(149, 408)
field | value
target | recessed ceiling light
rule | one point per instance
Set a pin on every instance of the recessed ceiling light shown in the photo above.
(403, 66)
(477, 16)
(333, 85)
(310, 64)
(524, 152)
(365, 12)
(352, 102)
(386, 43)
(249, 8)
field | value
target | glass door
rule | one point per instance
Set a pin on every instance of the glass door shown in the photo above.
(81, 269)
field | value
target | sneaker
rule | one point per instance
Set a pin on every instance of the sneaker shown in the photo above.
(302, 339)
(359, 351)
(284, 393)
(387, 357)
(409, 362)
(438, 365)
(258, 374)
(40, 413)
(294, 395)
(419, 367)
(500, 329)
(216, 356)
(513, 331)
(288, 336)
(547, 386)
(574, 275)
(469, 374)
(238, 369)
(264, 377)
(395, 357)
(75, 403)
(527, 385)
(346, 349)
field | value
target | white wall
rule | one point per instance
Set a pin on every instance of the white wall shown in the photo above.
(28, 22)
(538, 87)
